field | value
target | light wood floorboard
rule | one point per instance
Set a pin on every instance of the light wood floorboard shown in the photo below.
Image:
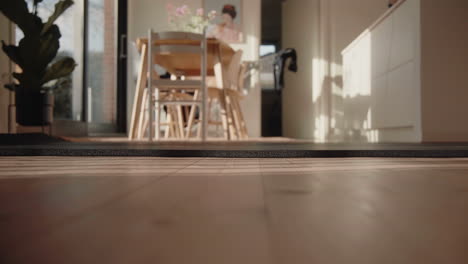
(216, 211)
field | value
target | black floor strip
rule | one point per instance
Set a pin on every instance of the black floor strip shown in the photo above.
(110, 152)
(41, 145)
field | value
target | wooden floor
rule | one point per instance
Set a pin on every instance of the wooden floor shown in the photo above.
(239, 211)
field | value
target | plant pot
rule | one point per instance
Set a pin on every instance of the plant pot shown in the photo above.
(34, 108)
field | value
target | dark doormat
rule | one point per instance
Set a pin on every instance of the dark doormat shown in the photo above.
(43, 145)
(28, 139)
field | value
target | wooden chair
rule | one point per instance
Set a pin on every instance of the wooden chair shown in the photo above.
(228, 93)
(174, 93)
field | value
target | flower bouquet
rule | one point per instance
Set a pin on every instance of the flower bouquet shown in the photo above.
(184, 19)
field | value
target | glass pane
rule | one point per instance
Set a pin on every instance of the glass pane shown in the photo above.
(102, 61)
(68, 94)
(267, 49)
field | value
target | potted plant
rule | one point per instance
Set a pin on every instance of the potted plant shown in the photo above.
(35, 56)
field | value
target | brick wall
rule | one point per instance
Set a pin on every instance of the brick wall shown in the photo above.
(4, 73)
(110, 62)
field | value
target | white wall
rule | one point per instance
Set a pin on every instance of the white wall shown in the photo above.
(5, 34)
(320, 30)
(300, 31)
(146, 14)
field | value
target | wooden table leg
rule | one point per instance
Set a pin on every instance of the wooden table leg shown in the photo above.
(140, 87)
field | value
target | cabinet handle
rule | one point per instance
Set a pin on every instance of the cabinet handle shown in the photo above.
(122, 53)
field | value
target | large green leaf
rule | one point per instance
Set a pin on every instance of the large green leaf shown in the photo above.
(39, 46)
(17, 11)
(18, 76)
(60, 8)
(38, 51)
(48, 47)
(28, 48)
(59, 69)
(13, 53)
(10, 87)
(28, 80)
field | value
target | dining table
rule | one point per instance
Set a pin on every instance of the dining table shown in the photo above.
(219, 55)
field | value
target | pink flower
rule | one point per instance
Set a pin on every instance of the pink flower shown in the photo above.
(200, 12)
(180, 11)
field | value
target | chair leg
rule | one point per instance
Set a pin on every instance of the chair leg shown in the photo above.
(208, 115)
(191, 118)
(180, 121)
(175, 133)
(244, 131)
(173, 129)
(186, 113)
(218, 120)
(144, 127)
(157, 130)
(168, 126)
(241, 128)
(232, 132)
(143, 115)
(199, 129)
(224, 117)
(179, 129)
(236, 117)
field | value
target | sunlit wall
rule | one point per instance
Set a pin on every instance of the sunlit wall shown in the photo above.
(320, 30)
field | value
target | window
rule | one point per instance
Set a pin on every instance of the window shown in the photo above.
(267, 49)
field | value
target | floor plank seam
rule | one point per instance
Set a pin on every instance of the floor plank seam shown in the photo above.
(89, 211)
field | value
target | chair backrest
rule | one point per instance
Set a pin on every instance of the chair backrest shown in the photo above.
(177, 42)
(187, 47)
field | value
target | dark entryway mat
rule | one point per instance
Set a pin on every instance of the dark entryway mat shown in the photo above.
(88, 152)
(41, 145)
(28, 139)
